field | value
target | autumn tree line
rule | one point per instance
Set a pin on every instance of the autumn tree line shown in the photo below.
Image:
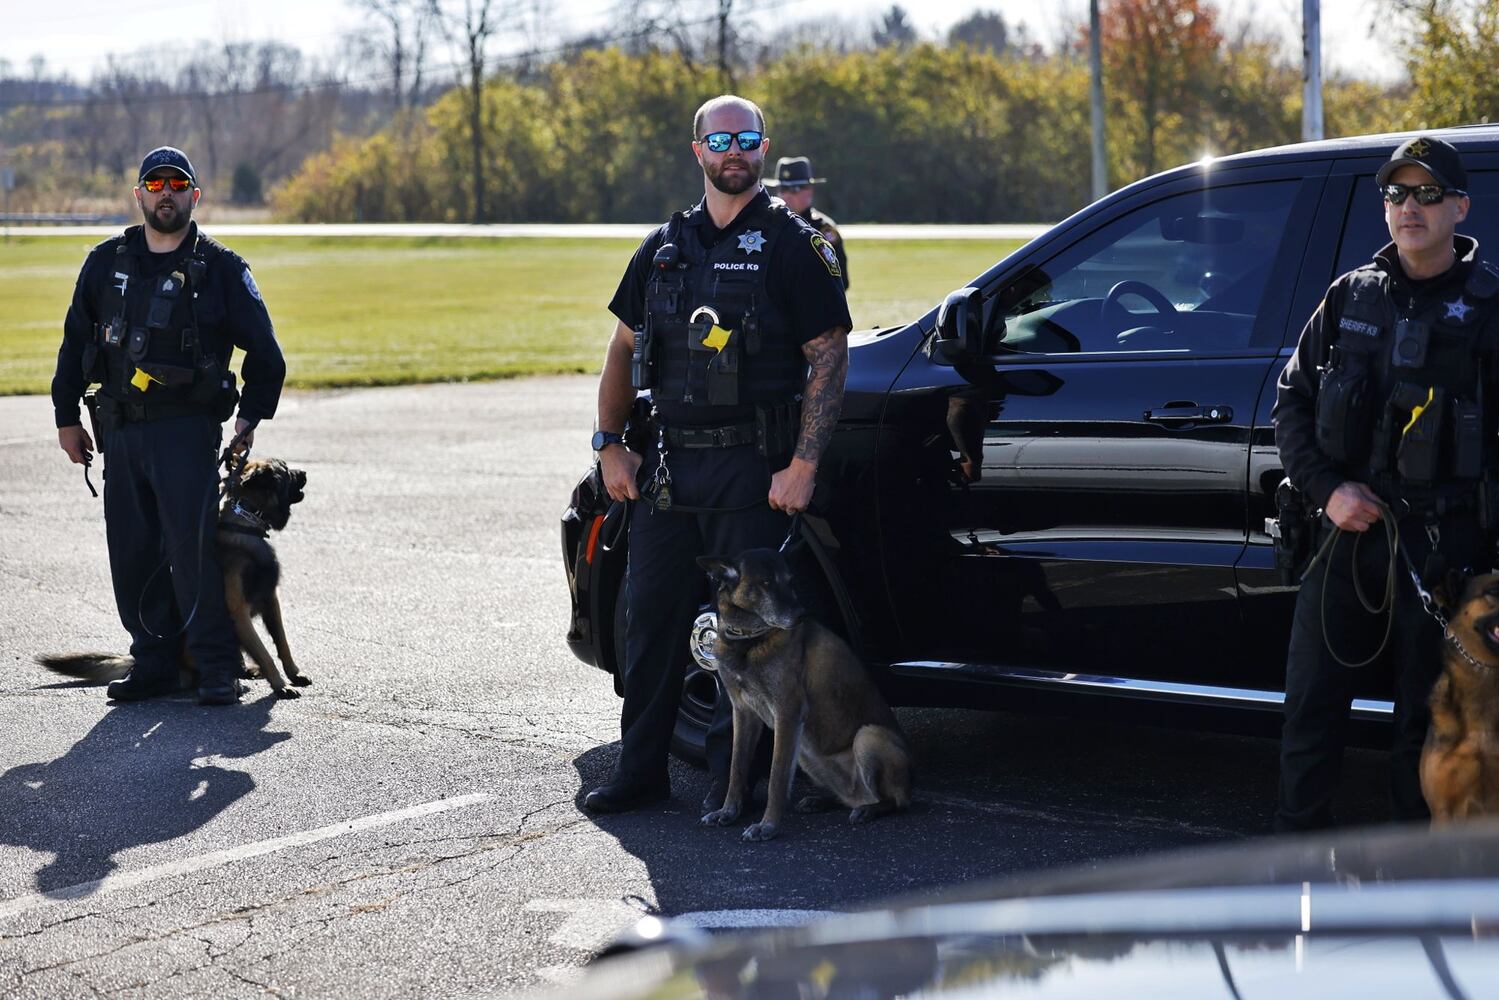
(984, 125)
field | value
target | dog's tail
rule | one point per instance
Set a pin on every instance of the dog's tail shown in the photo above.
(96, 667)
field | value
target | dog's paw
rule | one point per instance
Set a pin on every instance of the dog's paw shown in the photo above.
(813, 804)
(300, 680)
(285, 692)
(863, 814)
(760, 831)
(720, 817)
(250, 672)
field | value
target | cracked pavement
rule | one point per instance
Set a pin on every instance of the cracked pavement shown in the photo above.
(424, 594)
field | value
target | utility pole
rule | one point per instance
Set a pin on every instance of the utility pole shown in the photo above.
(1095, 102)
(1311, 70)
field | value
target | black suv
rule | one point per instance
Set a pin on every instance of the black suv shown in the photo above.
(1058, 481)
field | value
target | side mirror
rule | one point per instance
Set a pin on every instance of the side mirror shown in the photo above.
(960, 328)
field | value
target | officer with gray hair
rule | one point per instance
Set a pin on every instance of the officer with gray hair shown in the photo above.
(1385, 420)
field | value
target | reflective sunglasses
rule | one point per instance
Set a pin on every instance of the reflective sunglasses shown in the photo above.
(177, 184)
(718, 142)
(1426, 194)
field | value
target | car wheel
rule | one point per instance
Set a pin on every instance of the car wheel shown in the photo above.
(689, 740)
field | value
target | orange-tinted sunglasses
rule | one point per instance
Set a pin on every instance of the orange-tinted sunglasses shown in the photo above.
(155, 184)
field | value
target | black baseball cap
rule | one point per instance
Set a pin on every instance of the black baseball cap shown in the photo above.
(167, 158)
(1436, 157)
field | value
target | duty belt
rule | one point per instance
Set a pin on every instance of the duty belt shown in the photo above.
(1439, 501)
(726, 436)
(141, 412)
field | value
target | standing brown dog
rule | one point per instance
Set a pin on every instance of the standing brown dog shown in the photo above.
(1460, 763)
(784, 670)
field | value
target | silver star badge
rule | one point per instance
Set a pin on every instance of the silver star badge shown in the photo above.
(1457, 309)
(752, 241)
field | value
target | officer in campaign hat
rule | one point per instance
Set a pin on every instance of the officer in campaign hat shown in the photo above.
(732, 314)
(793, 184)
(156, 315)
(1385, 418)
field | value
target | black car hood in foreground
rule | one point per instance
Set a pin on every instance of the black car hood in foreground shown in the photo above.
(1386, 913)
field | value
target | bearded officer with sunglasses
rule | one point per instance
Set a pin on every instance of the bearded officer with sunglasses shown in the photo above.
(733, 316)
(156, 315)
(1385, 418)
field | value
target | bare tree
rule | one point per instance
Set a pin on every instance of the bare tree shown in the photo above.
(406, 28)
(472, 30)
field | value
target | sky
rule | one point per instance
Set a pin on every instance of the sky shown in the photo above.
(76, 35)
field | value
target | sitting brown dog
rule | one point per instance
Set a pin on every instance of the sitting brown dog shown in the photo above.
(784, 670)
(1460, 762)
(252, 574)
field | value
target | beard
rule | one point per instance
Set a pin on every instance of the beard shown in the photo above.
(172, 221)
(737, 182)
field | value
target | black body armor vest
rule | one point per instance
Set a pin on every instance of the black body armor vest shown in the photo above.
(715, 345)
(149, 354)
(1401, 402)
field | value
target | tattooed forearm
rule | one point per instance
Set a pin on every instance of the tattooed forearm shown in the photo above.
(822, 399)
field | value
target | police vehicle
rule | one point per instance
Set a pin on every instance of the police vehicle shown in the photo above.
(1053, 488)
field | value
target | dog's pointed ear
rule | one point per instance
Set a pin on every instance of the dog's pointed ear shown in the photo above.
(1448, 593)
(719, 570)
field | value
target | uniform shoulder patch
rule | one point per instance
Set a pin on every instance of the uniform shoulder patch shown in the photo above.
(827, 253)
(1483, 280)
(250, 286)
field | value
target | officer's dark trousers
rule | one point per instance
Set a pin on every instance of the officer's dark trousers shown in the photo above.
(665, 586)
(160, 509)
(1320, 690)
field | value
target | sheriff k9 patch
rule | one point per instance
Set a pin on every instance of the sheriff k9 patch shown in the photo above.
(828, 254)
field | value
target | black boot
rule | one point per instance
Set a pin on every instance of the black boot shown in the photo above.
(220, 691)
(140, 685)
(620, 796)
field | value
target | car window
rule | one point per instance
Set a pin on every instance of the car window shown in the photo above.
(1184, 275)
(1365, 232)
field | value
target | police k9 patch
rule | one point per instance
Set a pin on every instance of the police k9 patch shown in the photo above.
(828, 254)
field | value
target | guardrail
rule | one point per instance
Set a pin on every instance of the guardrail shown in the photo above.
(60, 218)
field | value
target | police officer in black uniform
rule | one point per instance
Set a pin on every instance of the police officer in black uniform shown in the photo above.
(155, 317)
(733, 315)
(793, 184)
(1385, 419)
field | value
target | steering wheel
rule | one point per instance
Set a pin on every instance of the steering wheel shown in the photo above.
(1116, 317)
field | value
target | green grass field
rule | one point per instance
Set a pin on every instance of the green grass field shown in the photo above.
(375, 311)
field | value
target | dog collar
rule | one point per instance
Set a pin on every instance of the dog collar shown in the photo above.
(732, 633)
(240, 518)
(1462, 651)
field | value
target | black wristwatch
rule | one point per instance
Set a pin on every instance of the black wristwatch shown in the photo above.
(603, 439)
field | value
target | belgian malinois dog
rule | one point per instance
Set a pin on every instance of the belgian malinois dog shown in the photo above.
(1460, 762)
(262, 504)
(784, 670)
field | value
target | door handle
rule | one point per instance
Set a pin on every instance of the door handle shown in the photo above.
(1178, 414)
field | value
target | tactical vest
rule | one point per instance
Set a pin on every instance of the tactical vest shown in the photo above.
(152, 360)
(715, 338)
(1401, 398)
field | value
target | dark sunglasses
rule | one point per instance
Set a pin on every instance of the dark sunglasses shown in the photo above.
(1426, 194)
(718, 142)
(155, 184)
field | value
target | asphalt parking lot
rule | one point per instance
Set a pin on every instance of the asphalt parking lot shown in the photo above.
(411, 825)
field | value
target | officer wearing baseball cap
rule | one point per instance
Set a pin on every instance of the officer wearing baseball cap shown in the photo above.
(1385, 419)
(156, 316)
(793, 184)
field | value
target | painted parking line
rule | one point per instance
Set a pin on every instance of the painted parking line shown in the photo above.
(217, 859)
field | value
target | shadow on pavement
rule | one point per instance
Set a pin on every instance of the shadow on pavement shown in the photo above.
(147, 772)
(997, 794)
